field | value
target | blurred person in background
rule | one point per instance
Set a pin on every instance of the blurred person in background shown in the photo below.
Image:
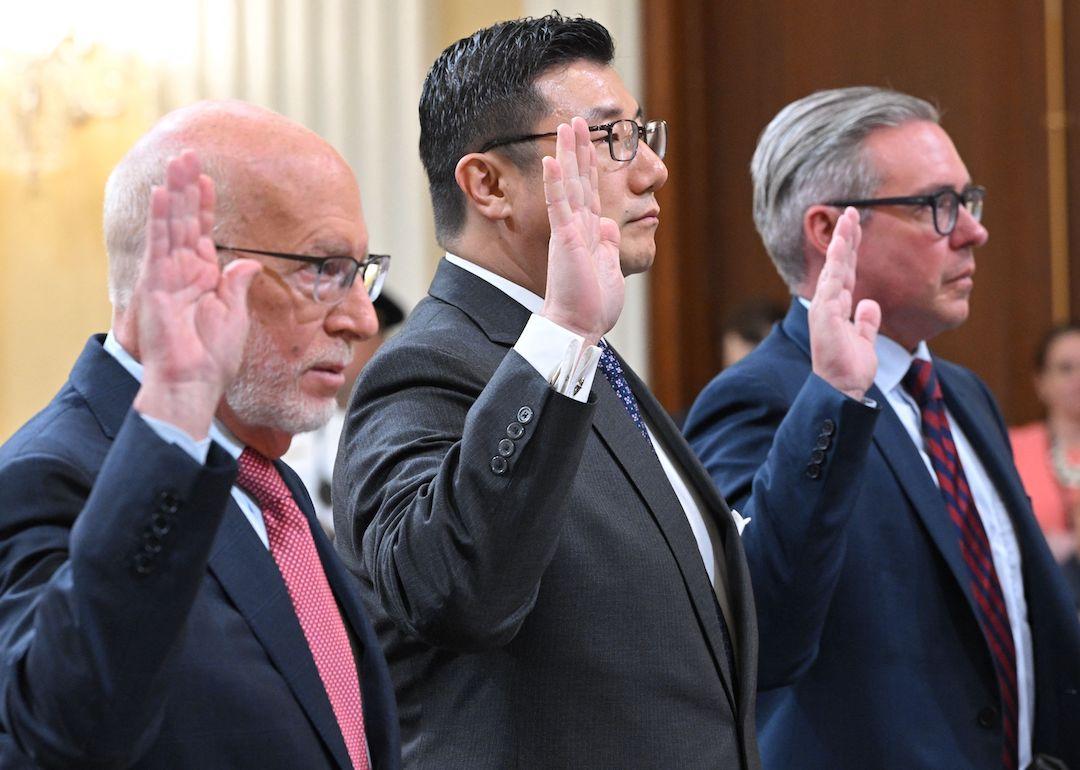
(745, 326)
(1047, 452)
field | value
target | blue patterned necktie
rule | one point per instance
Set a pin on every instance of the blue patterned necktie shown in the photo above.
(922, 383)
(612, 369)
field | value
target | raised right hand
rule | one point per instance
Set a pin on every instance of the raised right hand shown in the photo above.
(842, 345)
(192, 315)
(585, 284)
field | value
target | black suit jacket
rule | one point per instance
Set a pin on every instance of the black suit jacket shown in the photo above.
(142, 622)
(529, 570)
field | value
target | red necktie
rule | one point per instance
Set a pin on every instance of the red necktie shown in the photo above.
(922, 383)
(293, 548)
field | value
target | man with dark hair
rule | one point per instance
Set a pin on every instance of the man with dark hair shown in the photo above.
(167, 599)
(552, 574)
(911, 615)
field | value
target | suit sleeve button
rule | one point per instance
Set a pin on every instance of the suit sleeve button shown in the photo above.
(168, 503)
(144, 563)
(159, 524)
(817, 457)
(828, 427)
(525, 414)
(823, 442)
(498, 465)
(988, 717)
(514, 430)
(813, 470)
(506, 447)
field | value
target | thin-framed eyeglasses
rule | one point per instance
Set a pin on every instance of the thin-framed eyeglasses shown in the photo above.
(945, 205)
(622, 136)
(328, 279)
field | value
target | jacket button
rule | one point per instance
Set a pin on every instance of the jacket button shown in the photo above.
(506, 447)
(144, 563)
(813, 470)
(514, 430)
(159, 524)
(168, 503)
(524, 414)
(498, 465)
(828, 427)
(823, 442)
(988, 717)
(817, 457)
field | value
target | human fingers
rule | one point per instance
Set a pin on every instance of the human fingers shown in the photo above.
(867, 319)
(559, 213)
(566, 154)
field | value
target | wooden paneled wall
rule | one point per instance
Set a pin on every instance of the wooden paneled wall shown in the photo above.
(720, 71)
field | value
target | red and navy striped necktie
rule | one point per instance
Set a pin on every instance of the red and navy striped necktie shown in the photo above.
(922, 383)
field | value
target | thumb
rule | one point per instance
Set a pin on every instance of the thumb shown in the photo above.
(867, 319)
(236, 279)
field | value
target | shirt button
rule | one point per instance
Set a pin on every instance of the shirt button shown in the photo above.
(525, 414)
(514, 430)
(498, 465)
(506, 447)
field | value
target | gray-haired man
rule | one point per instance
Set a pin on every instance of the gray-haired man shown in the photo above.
(910, 613)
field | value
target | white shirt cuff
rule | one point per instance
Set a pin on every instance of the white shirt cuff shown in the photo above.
(170, 433)
(560, 356)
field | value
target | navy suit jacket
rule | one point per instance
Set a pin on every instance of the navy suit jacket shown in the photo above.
(142, 622)
(870, 651)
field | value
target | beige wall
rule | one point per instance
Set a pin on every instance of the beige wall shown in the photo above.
(361, 97)
(53, 295)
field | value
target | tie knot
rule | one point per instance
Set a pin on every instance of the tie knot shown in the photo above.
(922, 383)
(259, 478)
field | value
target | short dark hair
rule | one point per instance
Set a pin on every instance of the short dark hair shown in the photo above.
(1048, 339)
(483, 87)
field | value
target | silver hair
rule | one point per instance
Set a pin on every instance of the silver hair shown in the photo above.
(811, 152)
(127, 204)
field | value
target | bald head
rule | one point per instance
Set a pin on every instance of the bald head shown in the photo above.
(250, 152)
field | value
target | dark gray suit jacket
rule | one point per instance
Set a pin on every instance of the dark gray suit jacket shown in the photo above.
(556, 614)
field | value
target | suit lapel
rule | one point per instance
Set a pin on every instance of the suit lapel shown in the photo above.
(249, 576)
(642, 468)
(739, 591)
(894, 445)
(977, 423)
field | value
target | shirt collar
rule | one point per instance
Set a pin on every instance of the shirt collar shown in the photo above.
(520, 294)
(218, 432)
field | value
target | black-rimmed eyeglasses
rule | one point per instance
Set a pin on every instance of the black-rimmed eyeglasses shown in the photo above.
(328, 279)
(945, 205)
(623, 138)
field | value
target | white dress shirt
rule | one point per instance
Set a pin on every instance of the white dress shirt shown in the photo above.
(548, 346)
(893, 363)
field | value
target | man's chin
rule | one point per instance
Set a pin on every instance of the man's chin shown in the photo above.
(636, 261)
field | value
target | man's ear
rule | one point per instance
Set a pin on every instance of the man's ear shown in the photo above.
(482, 179)
(818, 224)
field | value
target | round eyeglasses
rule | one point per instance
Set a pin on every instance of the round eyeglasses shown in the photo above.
(623, 138)
(945, 205)
(328, 279)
